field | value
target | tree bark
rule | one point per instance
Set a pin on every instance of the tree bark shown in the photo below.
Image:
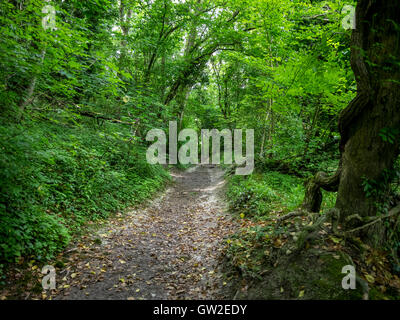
(375, 58)
(364, 155)
(313, 195)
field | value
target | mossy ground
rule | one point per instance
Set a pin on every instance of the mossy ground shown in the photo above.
(308, 275)
(266, 261)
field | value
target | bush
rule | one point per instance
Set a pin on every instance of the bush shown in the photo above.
(260, 193)
(54, 178)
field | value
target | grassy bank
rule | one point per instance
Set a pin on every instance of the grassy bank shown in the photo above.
(261, 194)
(255, 199)
(57, 175)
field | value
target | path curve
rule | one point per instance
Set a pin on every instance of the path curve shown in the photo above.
(170, 250)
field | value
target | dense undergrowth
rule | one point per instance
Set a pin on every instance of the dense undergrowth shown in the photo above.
(262, 253)
(57, 175)
(256, 199)
(258, 195)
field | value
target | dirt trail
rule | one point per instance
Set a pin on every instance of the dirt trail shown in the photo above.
(169, 250)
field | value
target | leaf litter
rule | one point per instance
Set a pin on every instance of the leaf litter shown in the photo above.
(171, 249)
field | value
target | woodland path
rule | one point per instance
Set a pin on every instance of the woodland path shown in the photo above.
(170, 249)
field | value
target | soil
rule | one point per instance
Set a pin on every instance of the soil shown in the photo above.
(171, 249)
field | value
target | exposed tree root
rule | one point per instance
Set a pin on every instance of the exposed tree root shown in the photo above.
(291, 215)
(310, 232)
(393, 212)
(313, 195)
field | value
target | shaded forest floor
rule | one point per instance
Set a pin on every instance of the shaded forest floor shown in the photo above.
(188, 244)
(170, 249)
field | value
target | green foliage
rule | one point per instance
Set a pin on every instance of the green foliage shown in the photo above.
(384, 194)
(55, 177)
(250, 196)
(78, 101)
(258, 194)
(390, 135)
(261, 194)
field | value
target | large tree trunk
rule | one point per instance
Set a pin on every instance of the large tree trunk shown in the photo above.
(364, 154)
(375, 62)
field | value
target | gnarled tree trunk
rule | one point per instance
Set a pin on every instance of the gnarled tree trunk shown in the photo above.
(375, 61)
(364, 154)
